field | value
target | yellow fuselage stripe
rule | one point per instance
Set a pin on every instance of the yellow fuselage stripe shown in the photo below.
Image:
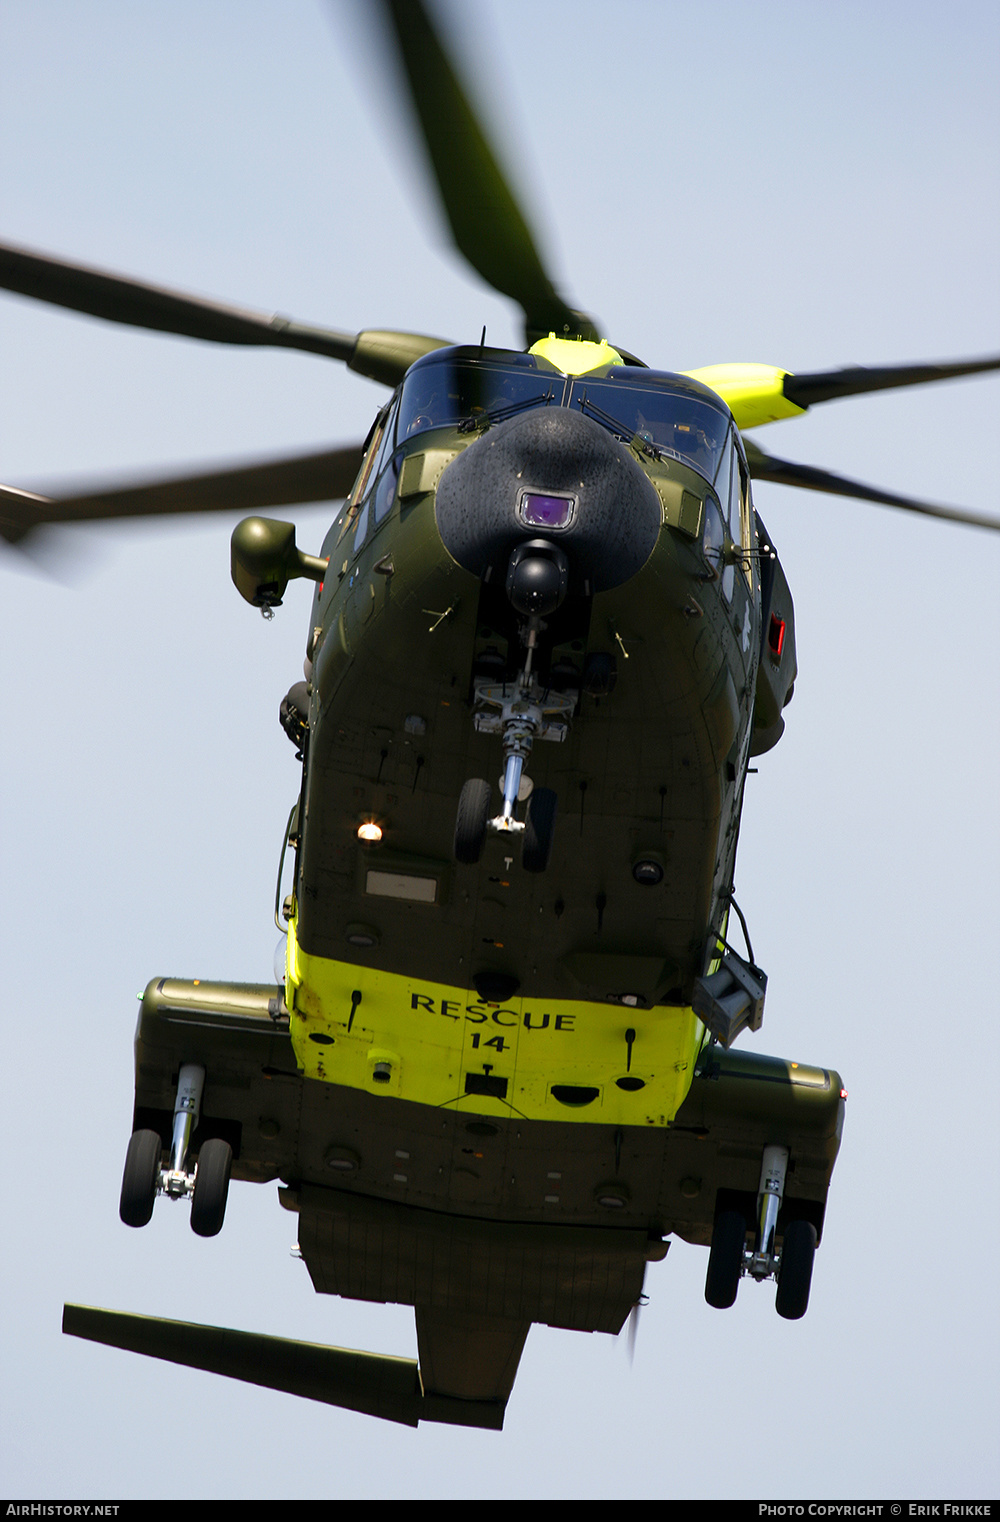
(440, 1045)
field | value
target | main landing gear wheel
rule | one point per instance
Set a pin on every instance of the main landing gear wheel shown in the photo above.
(725, 1261)
(795, 1270)
(211, 1188)
(470, 822)
(539, 830)
(141, 1176)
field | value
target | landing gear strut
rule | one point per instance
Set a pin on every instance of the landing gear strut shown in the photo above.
(522, 712)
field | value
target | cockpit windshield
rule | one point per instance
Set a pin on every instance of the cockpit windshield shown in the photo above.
(469, 389)
(456, 388)
(668, 417)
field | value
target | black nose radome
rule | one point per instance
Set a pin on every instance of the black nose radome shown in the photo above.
(554, 469)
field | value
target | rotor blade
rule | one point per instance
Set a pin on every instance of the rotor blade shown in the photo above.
(829, 385)
(766, 467)
(117, 299)
(321, 477)
(379, 1386)
(20, 512)
(633, 1330)
(486, 221)
(382, 356)
(372, 1383)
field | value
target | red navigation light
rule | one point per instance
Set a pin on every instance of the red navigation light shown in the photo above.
(776, 637)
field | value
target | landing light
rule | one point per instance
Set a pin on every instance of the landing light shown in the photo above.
(614, 1197)
(370, 831)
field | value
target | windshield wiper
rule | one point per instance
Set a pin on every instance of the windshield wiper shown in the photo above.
(501, 414)
(620, 430)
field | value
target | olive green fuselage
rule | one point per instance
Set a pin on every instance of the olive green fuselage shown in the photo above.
(652, 769)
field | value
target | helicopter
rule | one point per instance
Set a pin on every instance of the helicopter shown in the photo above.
(601, 691)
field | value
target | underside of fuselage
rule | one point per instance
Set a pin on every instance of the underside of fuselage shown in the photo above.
(652, 768)
(484, 1222)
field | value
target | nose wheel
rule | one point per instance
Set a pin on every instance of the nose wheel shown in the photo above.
(471, 821)
(539, 830)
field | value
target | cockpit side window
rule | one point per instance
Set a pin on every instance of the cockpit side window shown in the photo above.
(362, 529)
(387, 442)
(740, 515)
(375, 436)
(732, 486)
(380, 444)
(713, 543)
(720, 515)
(385, 487)
(723, 479)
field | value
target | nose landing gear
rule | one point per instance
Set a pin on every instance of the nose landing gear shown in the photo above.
(522, 712)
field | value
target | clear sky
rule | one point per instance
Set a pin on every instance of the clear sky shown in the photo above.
(806, 184)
